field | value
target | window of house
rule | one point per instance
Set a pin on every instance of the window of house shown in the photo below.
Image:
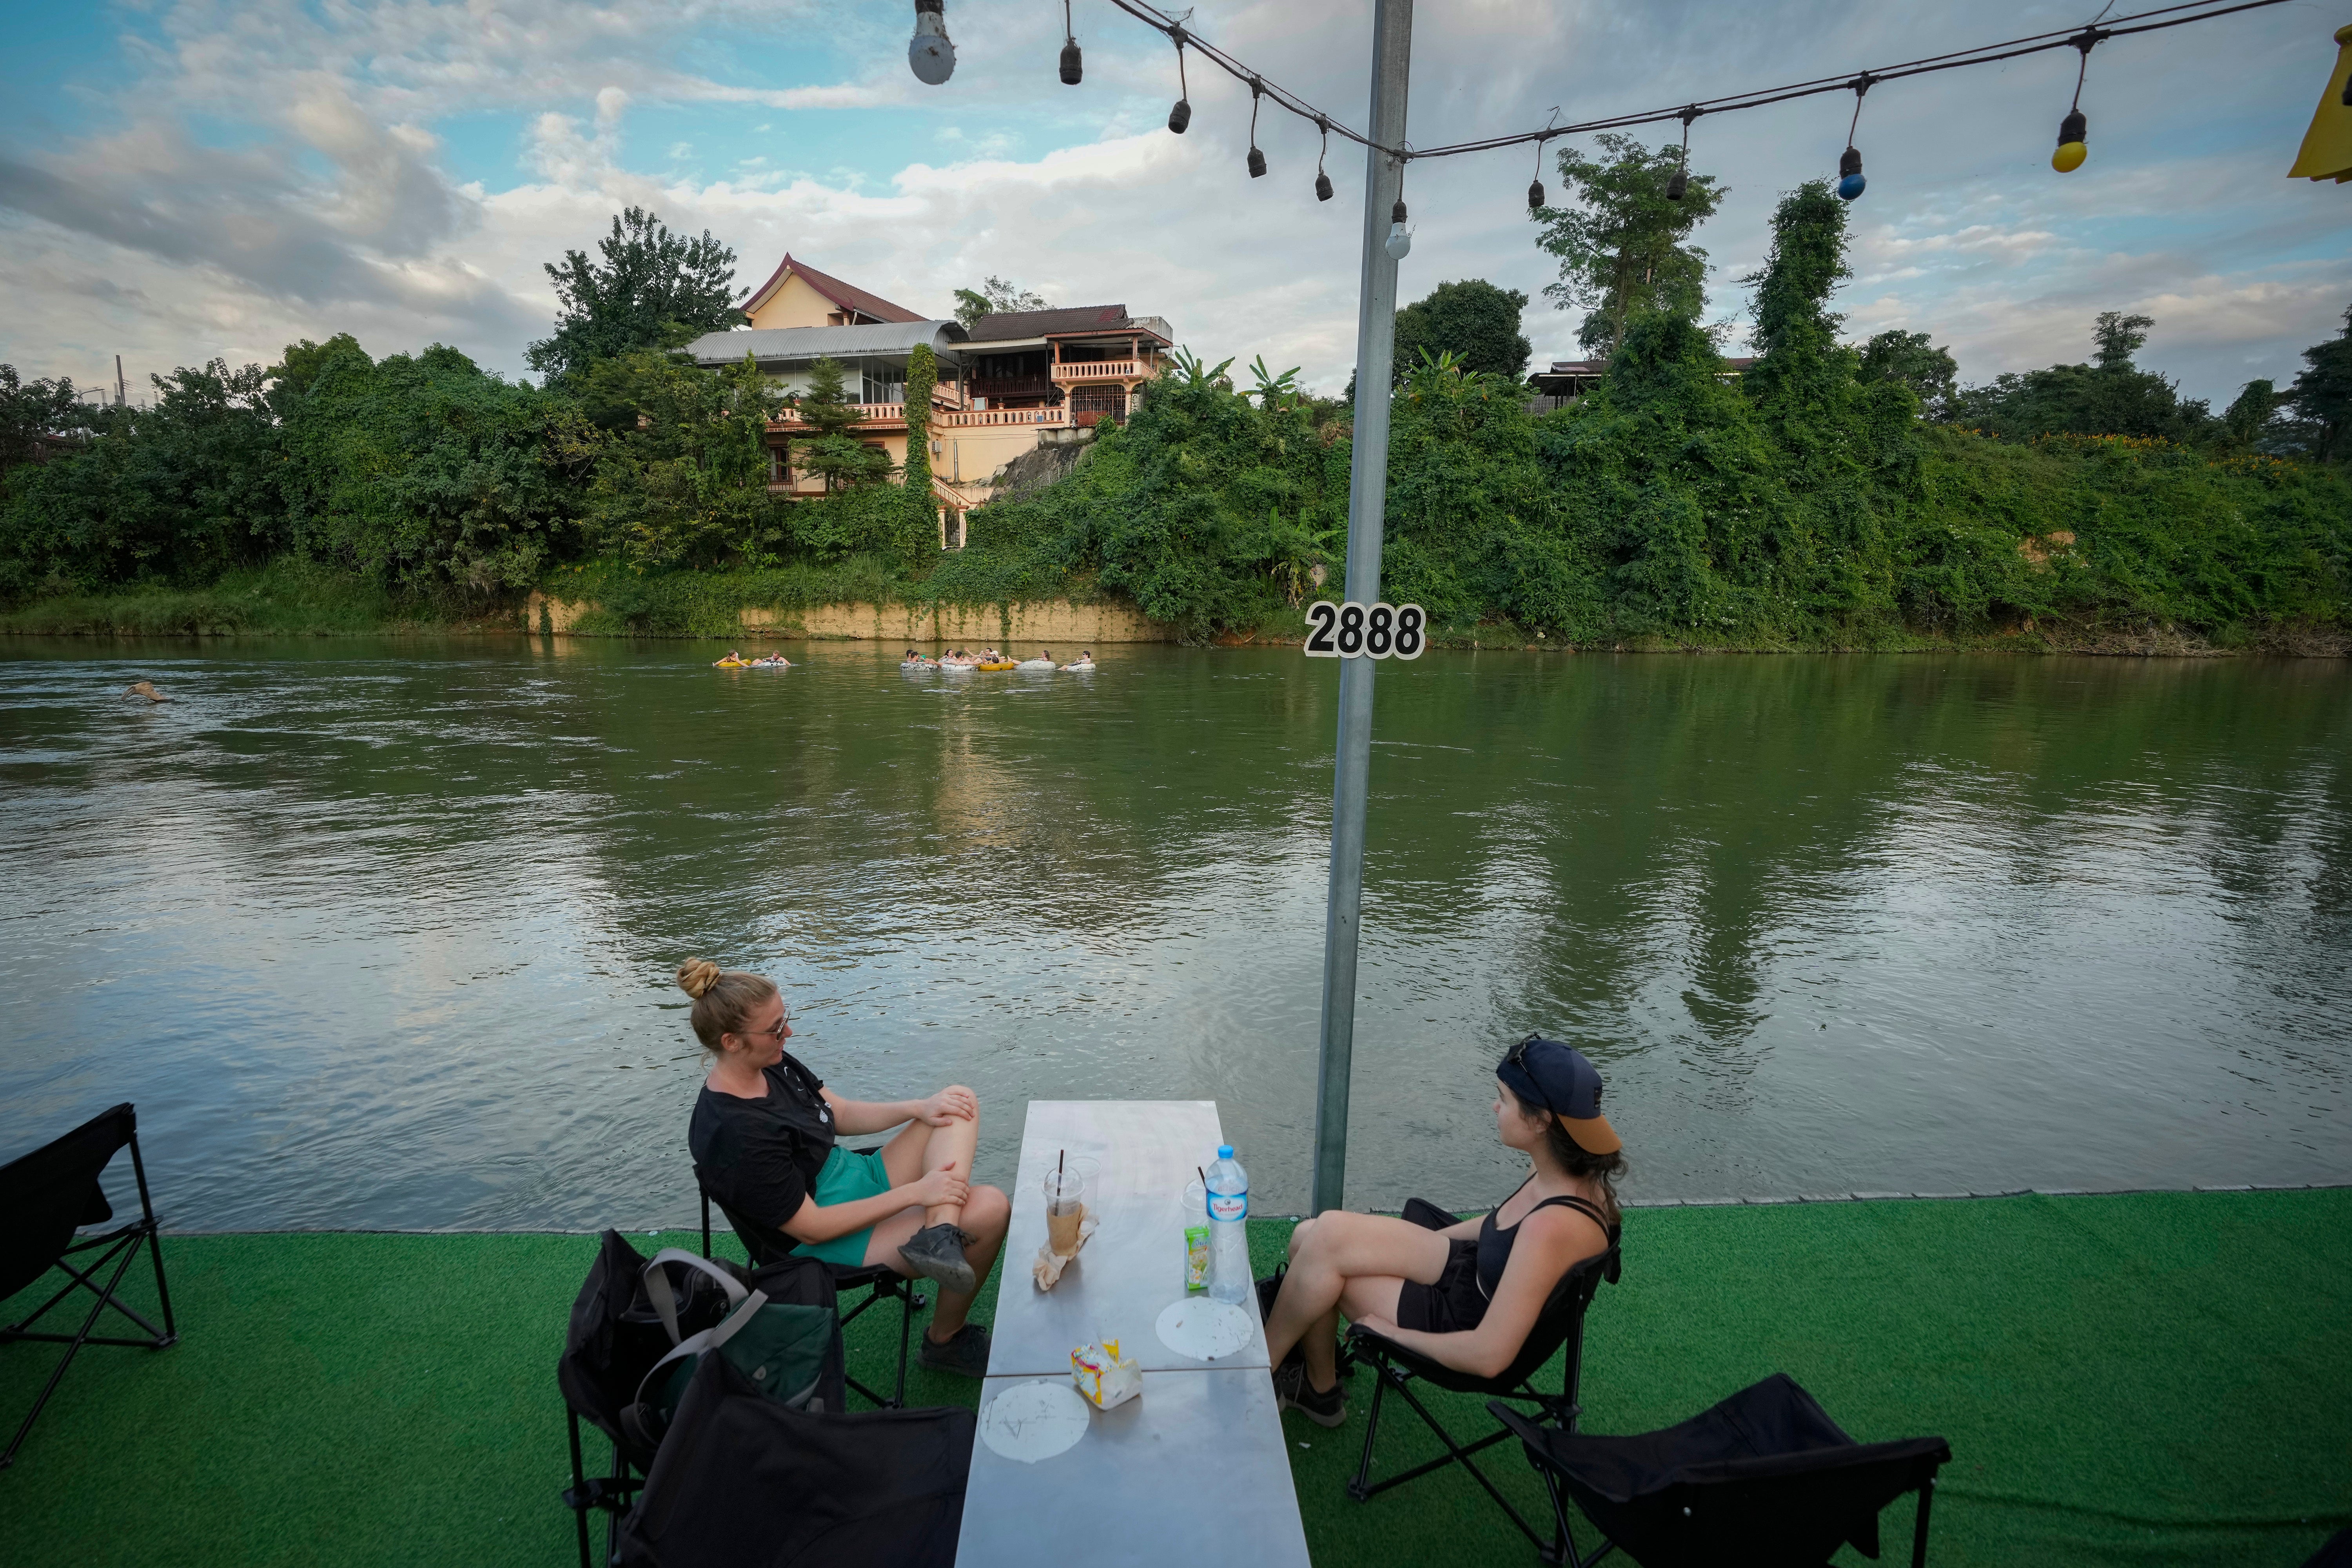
(880, 381)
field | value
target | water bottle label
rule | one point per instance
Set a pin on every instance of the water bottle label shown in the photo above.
(1229, 1206)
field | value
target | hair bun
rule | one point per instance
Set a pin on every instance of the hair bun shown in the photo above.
(696, 975)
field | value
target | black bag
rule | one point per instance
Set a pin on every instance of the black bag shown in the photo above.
(744, 1480)
(776, 1324)
(613, 1341)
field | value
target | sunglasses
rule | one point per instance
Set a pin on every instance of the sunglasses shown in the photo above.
(777, 1034)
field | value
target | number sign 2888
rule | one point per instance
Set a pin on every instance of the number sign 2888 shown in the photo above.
(1350, 630)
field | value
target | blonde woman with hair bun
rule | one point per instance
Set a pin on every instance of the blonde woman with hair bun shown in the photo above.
(763, 1139)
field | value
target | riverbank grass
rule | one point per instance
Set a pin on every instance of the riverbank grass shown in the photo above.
(2152, 1378)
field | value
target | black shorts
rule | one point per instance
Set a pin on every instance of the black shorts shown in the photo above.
(1452, 1305)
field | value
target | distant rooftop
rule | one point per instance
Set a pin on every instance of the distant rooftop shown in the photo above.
(790, 344)
(1010, 326)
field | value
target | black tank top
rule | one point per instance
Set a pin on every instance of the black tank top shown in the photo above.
(1495, 1243)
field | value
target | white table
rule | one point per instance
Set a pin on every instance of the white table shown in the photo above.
(1194, 1470)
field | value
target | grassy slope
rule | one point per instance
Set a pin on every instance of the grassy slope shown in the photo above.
(2151, 1379)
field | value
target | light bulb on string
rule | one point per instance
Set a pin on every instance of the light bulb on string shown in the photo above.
(1851, 182)
(1073, 65)
(1400, 240)
(1322, 180)
(2075, 130)
(1256, 158)
(930, 54)
(1181, 115)
(1678, 183)
(1535, 186)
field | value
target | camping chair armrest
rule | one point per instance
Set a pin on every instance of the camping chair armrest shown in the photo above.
(1428, 1216)
(1362, 1340)
(1531, 1433)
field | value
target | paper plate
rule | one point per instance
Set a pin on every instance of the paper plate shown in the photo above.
(1206, 1330)
(1033, 1421)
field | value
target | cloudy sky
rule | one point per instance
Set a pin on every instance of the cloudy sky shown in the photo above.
(186, 179)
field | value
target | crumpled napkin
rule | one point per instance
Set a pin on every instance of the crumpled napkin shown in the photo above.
(1048, 1269)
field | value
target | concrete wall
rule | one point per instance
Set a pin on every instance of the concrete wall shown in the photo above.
(1055, 623)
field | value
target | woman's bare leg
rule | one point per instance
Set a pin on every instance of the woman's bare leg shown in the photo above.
(1329, 1252)
(920, 1149)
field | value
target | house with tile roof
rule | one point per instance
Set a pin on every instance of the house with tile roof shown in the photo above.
(1016, 380)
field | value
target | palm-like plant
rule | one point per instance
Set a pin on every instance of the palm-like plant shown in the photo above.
(1274, 391)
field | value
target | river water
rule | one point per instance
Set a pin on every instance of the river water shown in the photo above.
(380, 934)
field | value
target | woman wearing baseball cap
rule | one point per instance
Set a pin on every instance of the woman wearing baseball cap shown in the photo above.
(1465, 1297)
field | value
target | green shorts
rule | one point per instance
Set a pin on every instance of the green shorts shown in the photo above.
(846, 1177)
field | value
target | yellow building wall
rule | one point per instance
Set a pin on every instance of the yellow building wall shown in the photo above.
(796, 304)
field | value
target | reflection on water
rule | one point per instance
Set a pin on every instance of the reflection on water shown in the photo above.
(379, 935)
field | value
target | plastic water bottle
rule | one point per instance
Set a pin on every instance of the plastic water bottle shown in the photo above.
(1229, 1261)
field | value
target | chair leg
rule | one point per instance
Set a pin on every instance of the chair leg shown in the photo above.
(905, 1328)
(156, 1241)
(1360, 1489)
(706, 1225)
(576, 1497)
(73, 1348)
(1919, 1529)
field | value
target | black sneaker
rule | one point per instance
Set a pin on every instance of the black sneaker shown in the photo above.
(936, 1252)
(1292, 1390)
(963, 1353)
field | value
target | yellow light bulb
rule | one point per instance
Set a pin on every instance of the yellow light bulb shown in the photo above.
(2069, 157)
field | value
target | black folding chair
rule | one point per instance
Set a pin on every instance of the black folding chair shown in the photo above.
(1765, 1478)
(608, 1350)
(46, 1197)
(880, 1281)
(1560, 1327)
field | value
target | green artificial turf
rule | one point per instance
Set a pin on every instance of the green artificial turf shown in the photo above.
(2147, 1378)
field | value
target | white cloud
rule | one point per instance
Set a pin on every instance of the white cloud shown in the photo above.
(339, 211)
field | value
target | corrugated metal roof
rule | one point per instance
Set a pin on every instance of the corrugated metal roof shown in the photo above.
(766, 343)
(1002, 324)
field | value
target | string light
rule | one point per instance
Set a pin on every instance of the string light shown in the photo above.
(1851, 183)
(1399, 241)
(2075, 128)
(1678, 185)
(1256, 158)
(1181, 115)
(1073, 65)
(930, 54)
(1535, 186)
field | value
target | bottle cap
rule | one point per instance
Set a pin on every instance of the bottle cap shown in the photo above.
(1225, 1151)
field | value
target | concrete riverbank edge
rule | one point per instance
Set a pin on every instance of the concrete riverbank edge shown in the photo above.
(2151, 1378)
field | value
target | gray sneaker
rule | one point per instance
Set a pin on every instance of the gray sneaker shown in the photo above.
(1292, 1391)
(963, 1353)
(936, 1252)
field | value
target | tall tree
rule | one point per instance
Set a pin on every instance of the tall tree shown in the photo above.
(993, 296)
(833, 453)
(2118, 338)
(2248, 415)
(2323, 393)
(1912, 360)
(1478, 322)
(653, 290)
(1803, 379)
(30, 410)
(1624, 249)
(2111, 397)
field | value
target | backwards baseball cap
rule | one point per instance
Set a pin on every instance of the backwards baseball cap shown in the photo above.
(1547, 1075)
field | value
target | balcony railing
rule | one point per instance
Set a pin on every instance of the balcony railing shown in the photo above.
(1101, 370)
(972, 416)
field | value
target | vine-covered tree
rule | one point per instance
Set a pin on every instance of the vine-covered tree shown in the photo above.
(922, 510)
(832, 453)
(653, 290)
(993, 296)
(1473, 320)
(1624, 248)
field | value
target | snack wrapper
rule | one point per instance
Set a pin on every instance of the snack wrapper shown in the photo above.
(1196, 1257)
(1105, 1378)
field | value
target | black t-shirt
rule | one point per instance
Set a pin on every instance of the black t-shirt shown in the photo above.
(759, 1158)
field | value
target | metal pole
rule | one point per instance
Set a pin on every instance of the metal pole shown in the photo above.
(1367, 495)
